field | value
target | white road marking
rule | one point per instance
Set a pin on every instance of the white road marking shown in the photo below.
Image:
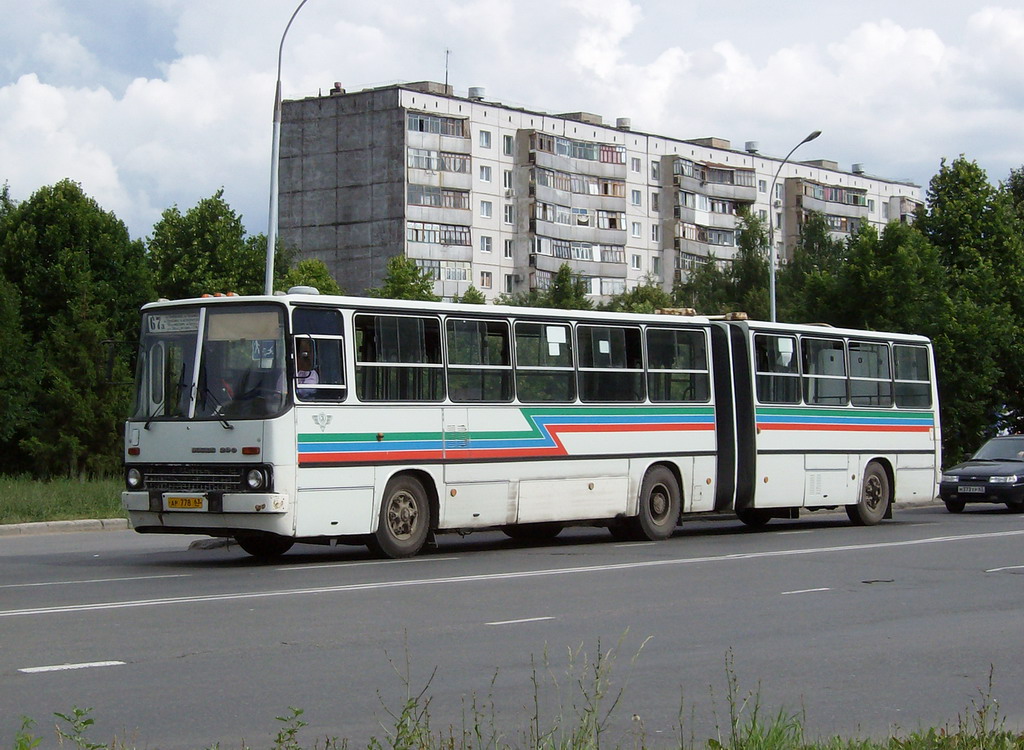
(547, 572)
(91, 580)
(805, 591)
(635, 544)
(797, 531)
(516, 622)
(66, 667)
(1008, 567)
(316, 566)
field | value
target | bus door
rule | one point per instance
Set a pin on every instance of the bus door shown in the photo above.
(734, 416)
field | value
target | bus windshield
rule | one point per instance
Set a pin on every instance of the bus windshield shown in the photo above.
(211, 363)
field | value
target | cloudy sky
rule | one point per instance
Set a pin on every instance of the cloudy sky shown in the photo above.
(152, 103)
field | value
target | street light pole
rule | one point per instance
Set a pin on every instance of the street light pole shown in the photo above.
(275, 150)
(771, 219)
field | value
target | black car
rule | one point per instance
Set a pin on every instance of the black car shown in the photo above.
(995, 474)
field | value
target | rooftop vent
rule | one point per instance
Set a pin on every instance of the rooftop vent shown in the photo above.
(751, 147)
(623, 123)
(477, 93)
(337, 90)
(858, 168)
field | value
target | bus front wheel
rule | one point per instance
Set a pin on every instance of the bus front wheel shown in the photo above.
(404, 519)
(659, 506)
(875, 497)
(264, 546)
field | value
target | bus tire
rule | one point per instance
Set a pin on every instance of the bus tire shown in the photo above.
(875, 497)
(264, 546)
(658, 514)
(404, 519)
(755, 518)
(533, 532)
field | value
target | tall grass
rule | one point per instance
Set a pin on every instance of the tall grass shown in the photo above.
(578, 719)
(24, 500)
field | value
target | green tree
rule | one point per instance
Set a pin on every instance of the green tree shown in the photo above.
(472, 296)
(805, 286)
(81, 280)
(980, 239)
(648, 298)
(743, 283)
(206, 250)
(404, 279)
(310, 272)
(568, 291)
(17, 383)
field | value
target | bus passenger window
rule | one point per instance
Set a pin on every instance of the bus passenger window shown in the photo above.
(913, 379)
(677, 365)
(611, 363)
(776, 368)
(870, 375)
(319, 372)
(398, 358)
(479, 360)
(544, 363)
(824, 362)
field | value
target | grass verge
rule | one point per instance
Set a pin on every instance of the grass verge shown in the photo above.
(577, 717)
(24, 500)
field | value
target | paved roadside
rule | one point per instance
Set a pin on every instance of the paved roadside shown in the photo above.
(53, 527)
(120, 524)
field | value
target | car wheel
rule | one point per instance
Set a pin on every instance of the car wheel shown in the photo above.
(955, 506)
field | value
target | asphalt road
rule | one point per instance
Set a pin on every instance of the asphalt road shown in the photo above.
(859, 629)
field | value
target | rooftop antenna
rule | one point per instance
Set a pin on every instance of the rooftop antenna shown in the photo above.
(446, 53)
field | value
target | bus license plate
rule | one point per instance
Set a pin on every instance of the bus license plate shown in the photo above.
(971, 489)
(186, 503)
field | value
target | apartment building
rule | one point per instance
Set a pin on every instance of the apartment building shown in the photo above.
(499, 197)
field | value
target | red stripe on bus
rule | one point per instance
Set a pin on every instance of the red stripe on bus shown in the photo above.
(844, 427)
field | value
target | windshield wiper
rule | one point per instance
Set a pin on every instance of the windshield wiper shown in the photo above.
(216, 412)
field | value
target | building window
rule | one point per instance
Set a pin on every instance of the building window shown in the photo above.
(508, 283)
(636, 229)
(486, 243)
(654, 201)
(485, 279)
(485, 174)
(778, 191)
(655, 170)
(634, 164)
(485, 209)
(635, 197)
(656, 266)
(485, 139)
(762, 186)
(423, 123)
(510, 213)
(762, 214)
(509, 244)
(634, 262)
(507, 145)
(506, 179)
(655, 232)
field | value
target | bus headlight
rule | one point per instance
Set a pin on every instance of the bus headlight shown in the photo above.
(256, 479)
(133, 478)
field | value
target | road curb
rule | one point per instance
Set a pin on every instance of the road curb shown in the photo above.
(56, 527)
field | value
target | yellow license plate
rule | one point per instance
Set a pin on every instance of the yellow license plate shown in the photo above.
(185, 503)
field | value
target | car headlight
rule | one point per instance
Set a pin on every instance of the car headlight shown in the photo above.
(1012, 479)
(133, 478)
(256, 479)
(950, 478)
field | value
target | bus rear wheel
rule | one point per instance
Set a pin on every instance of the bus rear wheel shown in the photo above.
(264, 546)
(875, 497)
(659, 506)
(404, 519)
(533, 532)
(755, 518)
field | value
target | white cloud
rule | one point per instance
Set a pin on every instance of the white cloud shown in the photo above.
(191, 112)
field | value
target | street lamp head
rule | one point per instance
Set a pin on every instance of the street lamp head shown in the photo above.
(811, 137)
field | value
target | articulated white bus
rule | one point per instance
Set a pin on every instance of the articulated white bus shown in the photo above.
(317, 419)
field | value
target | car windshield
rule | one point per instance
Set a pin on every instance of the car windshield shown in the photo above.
(239, 371)
(1001, 449)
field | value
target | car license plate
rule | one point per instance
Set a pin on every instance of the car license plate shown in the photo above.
(186, 503)
(970, 489)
